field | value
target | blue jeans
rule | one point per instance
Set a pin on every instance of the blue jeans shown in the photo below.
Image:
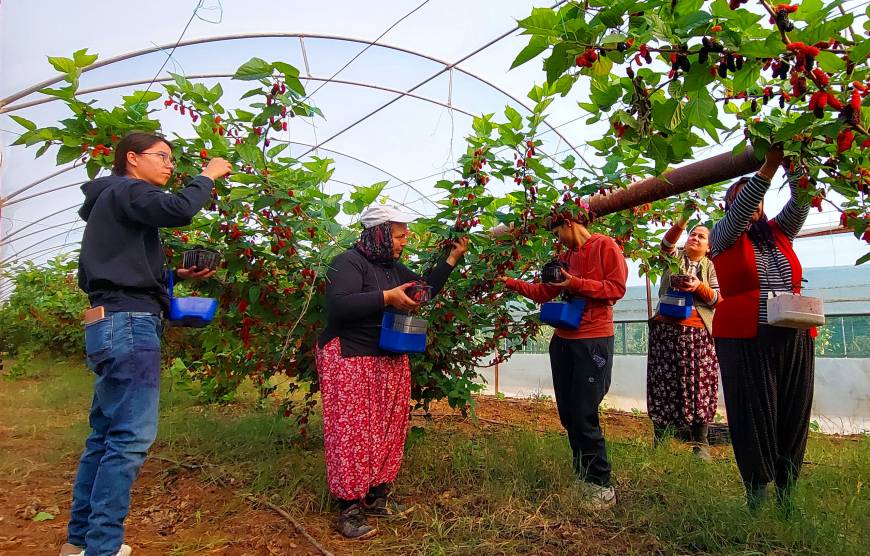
(123, 350)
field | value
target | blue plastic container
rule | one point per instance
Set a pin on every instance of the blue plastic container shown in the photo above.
(565, 315)
(677, 304)
(193, 312)
(402, 333)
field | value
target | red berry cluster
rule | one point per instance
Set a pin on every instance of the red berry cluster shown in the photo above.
(478, 161)
(781, 19)
(586, 59)
(643, 55)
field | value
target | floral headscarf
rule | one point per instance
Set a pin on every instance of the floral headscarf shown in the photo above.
(376, 243)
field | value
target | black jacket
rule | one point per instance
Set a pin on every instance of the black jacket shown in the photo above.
(355, 299)
(121, 260)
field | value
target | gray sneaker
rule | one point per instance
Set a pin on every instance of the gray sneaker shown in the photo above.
(352, 524)
(702, 452)
(599, 498)
(387, 507)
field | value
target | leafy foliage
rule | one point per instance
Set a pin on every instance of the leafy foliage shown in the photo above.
(670, 77)
(44, 311)
(667, 77)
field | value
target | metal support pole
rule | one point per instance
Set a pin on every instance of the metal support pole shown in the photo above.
(687, 178)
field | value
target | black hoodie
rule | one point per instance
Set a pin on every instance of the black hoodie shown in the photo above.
(121, 260)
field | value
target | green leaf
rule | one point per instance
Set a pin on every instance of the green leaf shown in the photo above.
(700, 112)
(253, 69)
(613, 38)
(830, 62)
(482, 126)
(558, 62)
(668, 114)
(238, 193)
(295, 85)
(41, 151)
(536, 45)
(254, 294)
(43, 516)
(692, 20)
(251, 154)
(658, 151)
(747, 77)
(67, 154)
(602, 66)
(863, 259)
(744, 19)
(287, 69)
(604, 93)
(542, 21)
(768, 48)
(251, 93)
(93, 168)
(860, 51)
(82, 59)
(215, 93)
(604, 144)
(24, 122)
(822, 31)
(276, 150)
(808, 11)
(66, 93)
(612, 17)
(563, 85)
(63, 65)
(514, 117)
(141, 96)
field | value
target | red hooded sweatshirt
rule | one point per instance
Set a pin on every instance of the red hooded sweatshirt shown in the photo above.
(600, 273)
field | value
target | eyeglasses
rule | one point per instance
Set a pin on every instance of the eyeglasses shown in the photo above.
(166, 158)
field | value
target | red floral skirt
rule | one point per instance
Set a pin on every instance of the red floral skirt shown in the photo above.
(366, 400)
(682, 375)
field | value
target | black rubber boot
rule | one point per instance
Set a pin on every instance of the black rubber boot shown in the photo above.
(756, 496)
(700, 444)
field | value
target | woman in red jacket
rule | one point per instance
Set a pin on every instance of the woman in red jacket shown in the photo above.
(581, 360)
(767, 371)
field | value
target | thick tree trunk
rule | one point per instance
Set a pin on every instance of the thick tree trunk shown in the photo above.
(687, 178)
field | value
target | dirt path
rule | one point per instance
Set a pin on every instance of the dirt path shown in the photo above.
(180, 510)
(173, 512)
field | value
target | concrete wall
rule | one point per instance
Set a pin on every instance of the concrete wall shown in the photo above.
(841, 401)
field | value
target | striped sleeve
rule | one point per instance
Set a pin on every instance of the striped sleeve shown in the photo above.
(793, 215)
(736, 219)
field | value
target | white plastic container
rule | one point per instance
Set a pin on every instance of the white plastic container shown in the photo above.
(795, 311)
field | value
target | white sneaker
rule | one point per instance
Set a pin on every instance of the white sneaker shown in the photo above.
(72, 550)
(600, 498)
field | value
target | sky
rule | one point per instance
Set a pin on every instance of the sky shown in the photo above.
(414, 140)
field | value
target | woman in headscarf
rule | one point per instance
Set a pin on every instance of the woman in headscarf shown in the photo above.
(366, 391)
(682, 377)
(767, 370)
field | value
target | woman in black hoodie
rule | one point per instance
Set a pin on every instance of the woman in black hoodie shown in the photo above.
(121, 270)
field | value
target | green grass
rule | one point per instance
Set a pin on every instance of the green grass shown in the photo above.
(496, 491)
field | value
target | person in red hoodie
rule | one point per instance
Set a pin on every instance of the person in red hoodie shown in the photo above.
(581, 360)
